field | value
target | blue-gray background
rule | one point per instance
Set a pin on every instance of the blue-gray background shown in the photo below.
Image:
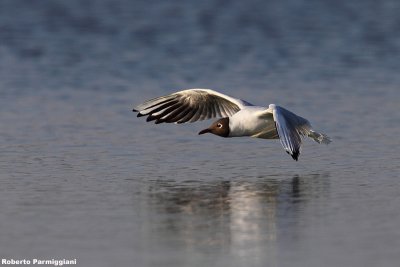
(82, 177)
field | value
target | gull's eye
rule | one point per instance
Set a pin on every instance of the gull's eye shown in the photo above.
(219, 125)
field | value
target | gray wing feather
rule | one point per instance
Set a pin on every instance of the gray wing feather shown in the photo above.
(189, 106)
(290, 128)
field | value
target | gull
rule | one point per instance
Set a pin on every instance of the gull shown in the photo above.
(238, 117)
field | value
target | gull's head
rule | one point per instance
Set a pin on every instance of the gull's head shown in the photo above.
(220, 128)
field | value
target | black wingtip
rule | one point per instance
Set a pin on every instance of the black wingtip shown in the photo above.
(295, 155)
(150, 118)
(139, 114)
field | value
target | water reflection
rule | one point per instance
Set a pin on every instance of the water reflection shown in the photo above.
(245, 219)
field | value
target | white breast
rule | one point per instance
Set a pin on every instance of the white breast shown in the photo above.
(247, 122)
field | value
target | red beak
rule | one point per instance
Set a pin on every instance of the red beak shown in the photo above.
(204, 131)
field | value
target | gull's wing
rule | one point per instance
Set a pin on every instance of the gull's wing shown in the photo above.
(291, 128)
(189, 106)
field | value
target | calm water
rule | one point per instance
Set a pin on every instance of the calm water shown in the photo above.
(81, 177)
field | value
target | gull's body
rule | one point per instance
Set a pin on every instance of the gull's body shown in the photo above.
(251, 121)
(239, 118)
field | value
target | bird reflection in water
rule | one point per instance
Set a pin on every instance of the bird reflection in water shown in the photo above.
(244, 219)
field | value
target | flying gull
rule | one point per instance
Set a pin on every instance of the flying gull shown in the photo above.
(238, 117)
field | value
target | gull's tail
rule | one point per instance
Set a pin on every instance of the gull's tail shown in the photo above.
(319, 137)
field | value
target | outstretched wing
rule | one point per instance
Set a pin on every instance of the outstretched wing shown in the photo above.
(290, 128)
(189, 106)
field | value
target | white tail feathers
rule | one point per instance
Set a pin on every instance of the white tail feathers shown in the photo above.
(319, 137)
